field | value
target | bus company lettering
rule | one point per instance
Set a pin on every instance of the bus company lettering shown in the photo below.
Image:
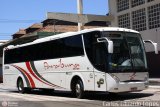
(61, 64)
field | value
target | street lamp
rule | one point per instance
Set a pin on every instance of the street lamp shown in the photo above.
(80, 12)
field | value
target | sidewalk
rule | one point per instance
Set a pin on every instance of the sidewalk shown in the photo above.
(154, 81)
(4, 87)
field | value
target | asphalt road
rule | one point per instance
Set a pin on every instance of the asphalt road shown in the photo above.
(11, 98)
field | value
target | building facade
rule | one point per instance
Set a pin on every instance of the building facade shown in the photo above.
(143, 16)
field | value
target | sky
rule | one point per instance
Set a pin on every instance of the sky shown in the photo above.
(16, 14)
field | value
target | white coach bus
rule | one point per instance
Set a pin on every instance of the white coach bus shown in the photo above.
(100, 59)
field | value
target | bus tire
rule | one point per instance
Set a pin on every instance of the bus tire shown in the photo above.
(79, 89)
(20, 86)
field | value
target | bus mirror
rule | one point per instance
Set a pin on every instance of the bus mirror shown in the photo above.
(110, 43)
(154, 44)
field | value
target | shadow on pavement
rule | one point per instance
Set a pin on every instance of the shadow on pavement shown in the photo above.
(95, 96)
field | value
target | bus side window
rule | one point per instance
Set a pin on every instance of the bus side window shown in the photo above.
(100, 55)
(95, 51)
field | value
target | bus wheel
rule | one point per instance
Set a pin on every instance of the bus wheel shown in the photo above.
(20, 86)
(79, 89)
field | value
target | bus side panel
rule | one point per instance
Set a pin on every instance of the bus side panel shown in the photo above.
(13, 71)
(60, 72)
(10, 76)
(85, 73)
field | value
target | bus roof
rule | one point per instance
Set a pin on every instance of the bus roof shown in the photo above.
(63, 35)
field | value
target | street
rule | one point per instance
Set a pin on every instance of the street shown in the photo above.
(11, 98)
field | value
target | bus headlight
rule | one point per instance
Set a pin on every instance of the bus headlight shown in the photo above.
(115, 78)
(146, 78)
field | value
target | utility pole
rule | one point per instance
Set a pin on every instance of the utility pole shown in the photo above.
(80, 12)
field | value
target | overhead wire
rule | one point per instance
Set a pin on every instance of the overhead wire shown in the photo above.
(18, 21)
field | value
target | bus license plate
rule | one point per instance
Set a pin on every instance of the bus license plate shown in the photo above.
(134, 89)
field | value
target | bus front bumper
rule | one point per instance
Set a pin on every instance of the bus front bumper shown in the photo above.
(128, 87)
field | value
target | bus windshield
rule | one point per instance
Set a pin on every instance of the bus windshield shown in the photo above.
(128, 53)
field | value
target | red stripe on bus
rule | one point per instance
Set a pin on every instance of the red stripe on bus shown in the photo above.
(33, 74)
(28, 76)
(32, 66)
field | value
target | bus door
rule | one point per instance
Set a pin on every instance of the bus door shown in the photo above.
(99, 55)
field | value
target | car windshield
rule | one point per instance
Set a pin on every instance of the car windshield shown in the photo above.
(128, 53)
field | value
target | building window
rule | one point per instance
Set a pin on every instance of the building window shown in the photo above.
(124, 20)
(137, 2)
(139, 20)
(122, 5)
(154, 16)
(149, 0)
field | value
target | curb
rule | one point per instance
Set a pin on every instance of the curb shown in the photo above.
(154, 87)
(154, 82)
(3, 87)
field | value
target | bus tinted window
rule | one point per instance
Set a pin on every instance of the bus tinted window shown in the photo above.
(65, 47)
(72, 47)
(96, 52)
